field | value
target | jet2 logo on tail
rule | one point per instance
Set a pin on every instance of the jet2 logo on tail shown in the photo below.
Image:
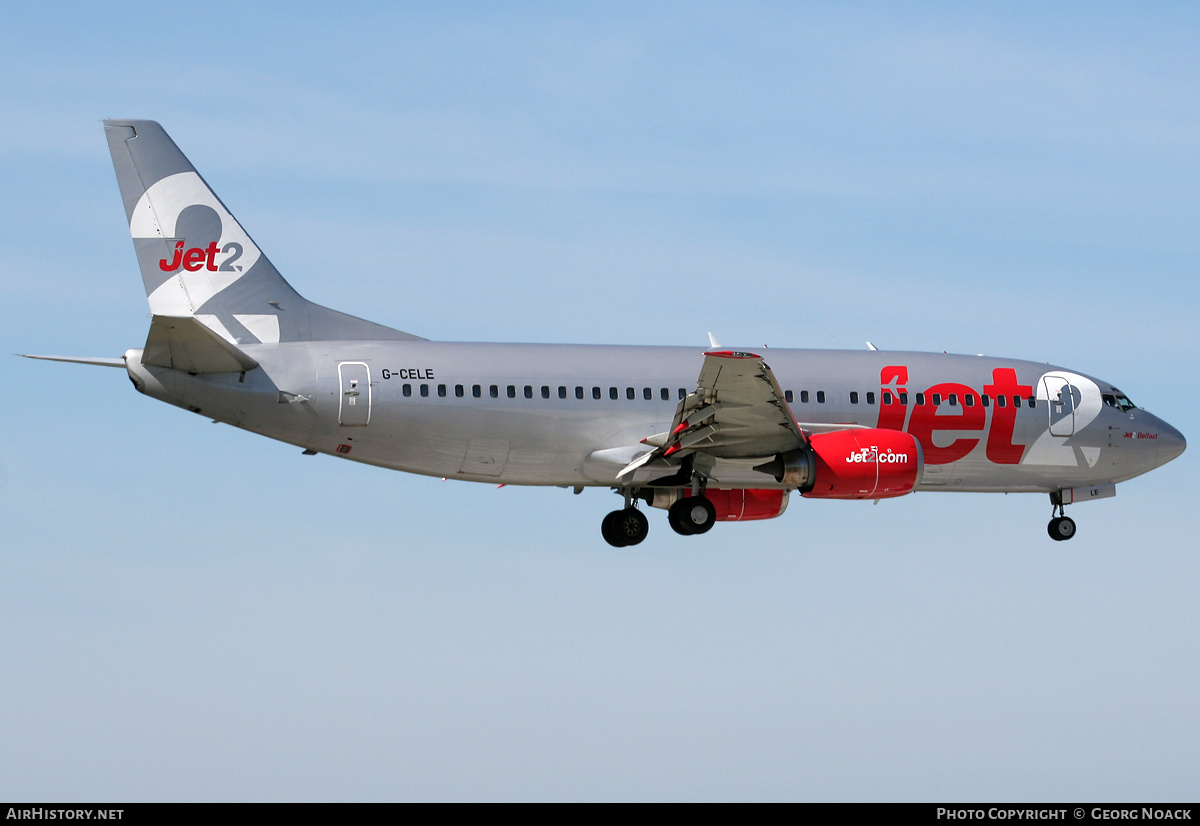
(196, 258)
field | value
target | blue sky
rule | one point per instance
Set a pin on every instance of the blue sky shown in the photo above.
(191, 612)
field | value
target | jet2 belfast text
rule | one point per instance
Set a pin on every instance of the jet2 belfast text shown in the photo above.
(709, 436)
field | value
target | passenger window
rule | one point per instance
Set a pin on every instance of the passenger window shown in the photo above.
(666, 394)
(887, 397)
(1016, 401)
(442, 391)
(562, 392)
(820, 397)
(476, 391)
(528, 391)
(954, 400)
(968, 400)
(613, 394)
(682, 394)
(494, 391)
(595, 392)
(647, 394)
(629, 394)
(870, 398)
(803, 397)
(512, 391)
(545, 392)
(937, 399)
(787, 395)
(920, 400)
(1002, 401)
(424, 390)
(578, 392)
(458, 390)
(853, 397)
(1032, 401)
(904, 398)
(985, 399)
(406, 390)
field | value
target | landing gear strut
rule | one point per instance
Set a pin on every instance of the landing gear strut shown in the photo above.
(1062, 526)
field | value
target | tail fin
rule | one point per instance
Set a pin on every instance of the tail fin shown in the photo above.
(196, 260)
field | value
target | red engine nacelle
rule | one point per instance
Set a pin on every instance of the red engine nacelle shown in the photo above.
(731, 505)
(864, 464)
(744, 504)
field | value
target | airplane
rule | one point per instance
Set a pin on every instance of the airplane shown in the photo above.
(709, 435)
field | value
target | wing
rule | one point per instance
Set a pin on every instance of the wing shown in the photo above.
(736, 412)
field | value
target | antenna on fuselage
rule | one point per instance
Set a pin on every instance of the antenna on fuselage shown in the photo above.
(871, 346)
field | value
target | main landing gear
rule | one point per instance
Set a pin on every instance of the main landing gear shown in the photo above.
(625, 527)
(692, 515)
(688, 516)
(1062, 526)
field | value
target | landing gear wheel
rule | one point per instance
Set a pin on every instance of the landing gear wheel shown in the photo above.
(678, 520)
(1060, 528)
(625, 527)
(611, 533)
(692, 515)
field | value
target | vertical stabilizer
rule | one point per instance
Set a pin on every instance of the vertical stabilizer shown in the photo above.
(198, 262)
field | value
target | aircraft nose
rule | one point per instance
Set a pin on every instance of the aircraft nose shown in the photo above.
(1170, 443)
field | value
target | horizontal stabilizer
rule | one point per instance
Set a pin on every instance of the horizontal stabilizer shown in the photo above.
(97, 361)
(184, 343)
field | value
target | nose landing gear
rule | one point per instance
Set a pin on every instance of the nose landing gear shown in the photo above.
(1062, 526)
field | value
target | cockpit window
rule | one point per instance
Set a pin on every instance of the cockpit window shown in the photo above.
(1118, 400)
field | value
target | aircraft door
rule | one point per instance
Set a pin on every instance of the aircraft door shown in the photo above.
(355, 409)
(1062, 399)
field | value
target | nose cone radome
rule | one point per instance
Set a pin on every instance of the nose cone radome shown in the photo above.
(1170, 443)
